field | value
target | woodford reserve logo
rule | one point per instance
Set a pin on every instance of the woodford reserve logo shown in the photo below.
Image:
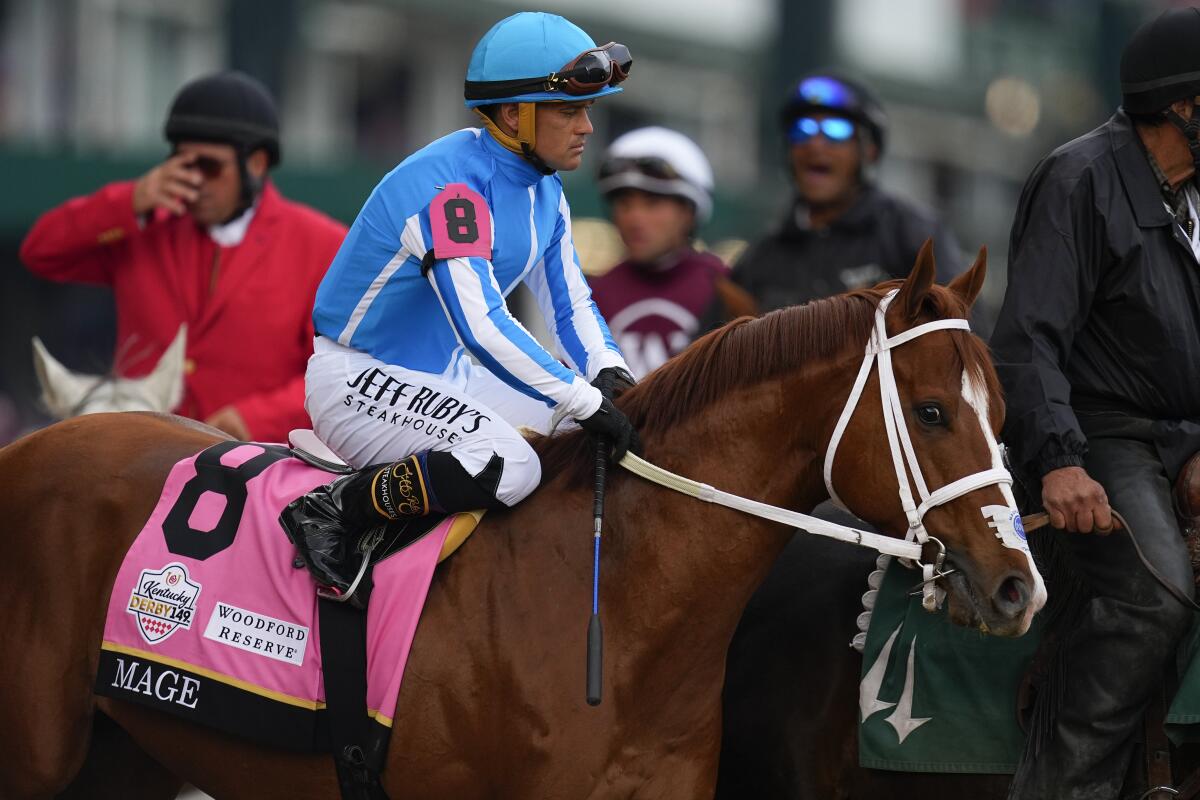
(163, 601)
(257, 633)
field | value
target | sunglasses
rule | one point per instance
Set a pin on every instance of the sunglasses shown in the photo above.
(209, 168)
(835, 129)
(649, 166)
(590, 70)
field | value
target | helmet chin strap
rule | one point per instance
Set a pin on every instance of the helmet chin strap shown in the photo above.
(526, 139)
(251, 186)
(1190, 128)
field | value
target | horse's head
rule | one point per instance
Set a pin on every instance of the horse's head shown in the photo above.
(943, 420)
(70, 394)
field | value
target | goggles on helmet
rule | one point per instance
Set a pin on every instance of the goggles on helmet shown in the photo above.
(827, 92)
(650, 166)
(589, 71)
(835, 129)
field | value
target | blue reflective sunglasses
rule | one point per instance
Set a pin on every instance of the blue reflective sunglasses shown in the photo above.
(835, 129)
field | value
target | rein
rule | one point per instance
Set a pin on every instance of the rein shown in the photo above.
(1039, 520)
(904, 461)
(702, 491)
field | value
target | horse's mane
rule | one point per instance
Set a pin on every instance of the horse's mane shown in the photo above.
(752, 350)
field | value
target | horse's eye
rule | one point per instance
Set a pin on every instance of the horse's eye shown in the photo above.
(930, 414)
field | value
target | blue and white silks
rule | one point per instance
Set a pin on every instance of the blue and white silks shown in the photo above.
(374, 298)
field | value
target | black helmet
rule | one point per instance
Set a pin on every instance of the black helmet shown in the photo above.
(830, 91)
(1161, 63)
(229, 107)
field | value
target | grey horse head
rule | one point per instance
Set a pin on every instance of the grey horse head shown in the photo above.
(69, 394)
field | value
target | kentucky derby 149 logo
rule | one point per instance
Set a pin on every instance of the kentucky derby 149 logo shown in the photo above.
(163, 601)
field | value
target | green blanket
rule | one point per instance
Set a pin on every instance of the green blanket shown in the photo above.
(935, 697)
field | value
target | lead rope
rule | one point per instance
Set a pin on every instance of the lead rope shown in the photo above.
(1034, 521)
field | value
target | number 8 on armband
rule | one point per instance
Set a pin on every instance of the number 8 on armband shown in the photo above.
(461, 224)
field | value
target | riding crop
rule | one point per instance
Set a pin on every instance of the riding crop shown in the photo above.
(595, 633)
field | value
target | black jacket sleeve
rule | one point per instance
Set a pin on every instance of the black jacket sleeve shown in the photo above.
(1056, 257)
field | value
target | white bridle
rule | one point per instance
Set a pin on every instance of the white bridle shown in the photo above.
(904, 460)
(904, 456)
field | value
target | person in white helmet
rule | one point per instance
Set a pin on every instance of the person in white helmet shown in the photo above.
(659, 188)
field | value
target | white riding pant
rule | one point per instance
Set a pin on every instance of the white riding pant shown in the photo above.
(371, 412)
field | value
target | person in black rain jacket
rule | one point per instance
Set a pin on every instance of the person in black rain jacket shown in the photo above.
(842, 231)
(1098, 348)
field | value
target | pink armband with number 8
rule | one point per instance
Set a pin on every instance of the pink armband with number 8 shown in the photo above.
(461, 223)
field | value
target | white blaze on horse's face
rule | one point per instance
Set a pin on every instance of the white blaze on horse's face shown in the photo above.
(69, 394)
(1006, 520)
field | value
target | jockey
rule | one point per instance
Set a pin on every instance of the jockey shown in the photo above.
(665, 293)
(421, 377)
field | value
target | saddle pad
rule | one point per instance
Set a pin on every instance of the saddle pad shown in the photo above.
(1183, 717)
(936, 697)
(211, 620)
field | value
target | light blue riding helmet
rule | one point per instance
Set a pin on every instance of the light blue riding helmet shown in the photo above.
(527, 49)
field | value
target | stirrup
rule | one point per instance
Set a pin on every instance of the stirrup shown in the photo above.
(1167, 790)
(366, 546)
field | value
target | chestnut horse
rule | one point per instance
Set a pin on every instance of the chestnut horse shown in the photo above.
(492, 704)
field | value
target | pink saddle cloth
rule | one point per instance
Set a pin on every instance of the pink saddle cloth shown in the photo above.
(211, 619)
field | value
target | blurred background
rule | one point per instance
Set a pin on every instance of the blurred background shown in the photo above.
(977, 92)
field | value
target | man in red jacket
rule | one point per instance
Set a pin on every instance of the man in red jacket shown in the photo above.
(205, 239)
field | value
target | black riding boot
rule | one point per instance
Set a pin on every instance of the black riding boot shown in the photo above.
(335, 527)
(1128, 631)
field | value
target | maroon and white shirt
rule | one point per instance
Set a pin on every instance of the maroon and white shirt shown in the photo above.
(655, 311)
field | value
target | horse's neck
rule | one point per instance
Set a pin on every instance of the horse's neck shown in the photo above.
(692, 566)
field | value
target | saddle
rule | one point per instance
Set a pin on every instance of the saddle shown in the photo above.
(1187, 509)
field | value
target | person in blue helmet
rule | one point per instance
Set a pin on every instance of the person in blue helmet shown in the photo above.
(841, 230)
(417, 291)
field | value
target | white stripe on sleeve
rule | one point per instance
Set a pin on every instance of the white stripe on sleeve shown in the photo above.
(411, 243)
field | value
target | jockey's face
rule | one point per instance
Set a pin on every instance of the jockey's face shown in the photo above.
(651, 225)
(562, 131)
(221, 185)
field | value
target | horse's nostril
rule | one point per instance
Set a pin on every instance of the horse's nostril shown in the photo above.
(1011, 592)
(1012, 596)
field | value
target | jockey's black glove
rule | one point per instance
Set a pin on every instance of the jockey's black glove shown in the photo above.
(611, 381)
(609, 424)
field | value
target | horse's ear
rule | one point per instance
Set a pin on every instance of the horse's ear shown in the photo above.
(165, 382)
(968, 285)
(62, 389)
(917, 284)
